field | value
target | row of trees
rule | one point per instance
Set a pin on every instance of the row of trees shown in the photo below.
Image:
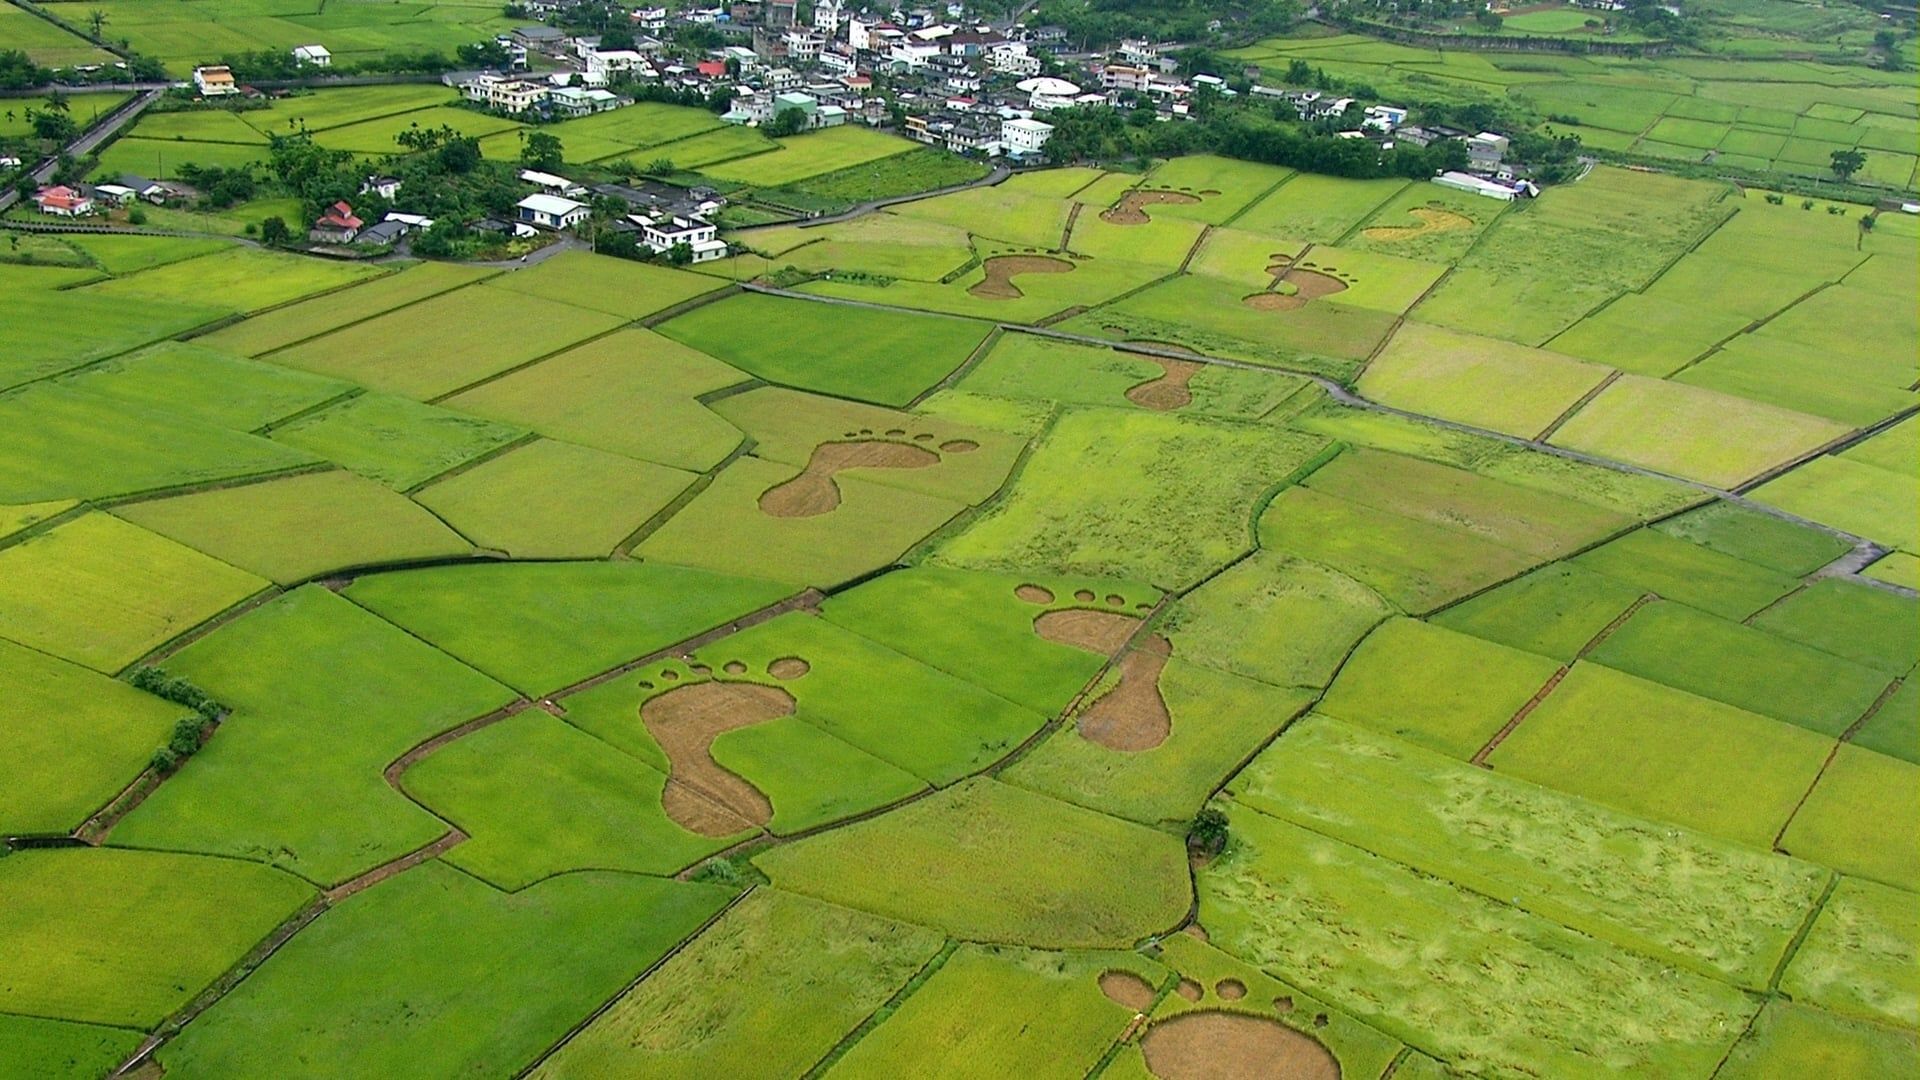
(1104, 133)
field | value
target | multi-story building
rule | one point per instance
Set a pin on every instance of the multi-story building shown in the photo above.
(505, 94)
(1024, 138)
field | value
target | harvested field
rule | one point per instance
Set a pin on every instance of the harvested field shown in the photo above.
(1126, 988)
(1001, 270)
(701, 796)
(1103, 632)
(1307, 286)
(814, 492)
(1132, 716)
(1132, 207)
(1169, 391)
(1431, 221)
(1234, 1046)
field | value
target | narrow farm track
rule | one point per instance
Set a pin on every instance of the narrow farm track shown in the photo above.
(1345, 396)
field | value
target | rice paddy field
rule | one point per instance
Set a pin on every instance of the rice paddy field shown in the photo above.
(1205, 621)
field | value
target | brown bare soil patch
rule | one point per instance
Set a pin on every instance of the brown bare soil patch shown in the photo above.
(1283, 1004)
(1085, 596)
(1169, 391)
(1002, 269)
(701, 796)
(1034, 594)
(1103, 632)
(1190, 990)
(1131, 210)
(1431, 220)
(1230, 989)
(1195, 930)
(1126, 988)
(1308, 286)
(1132, 716)
(814, 492)
(1234, 1046)
(959, 446)
(788, 667)
(734, 667)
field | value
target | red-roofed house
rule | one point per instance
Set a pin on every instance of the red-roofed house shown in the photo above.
(337, 226)
(712, 69)
(64, 201)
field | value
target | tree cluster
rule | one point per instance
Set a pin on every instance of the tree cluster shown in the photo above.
(1090, 23)
(1102, 133)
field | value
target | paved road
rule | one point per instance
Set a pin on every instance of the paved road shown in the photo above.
(87, 141)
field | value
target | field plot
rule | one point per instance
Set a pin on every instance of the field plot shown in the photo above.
(1794, 1040)
(1320, 209)
(985, 628)
(1856, 816)
(73, 922)
(1477, 380)
(976, 1009)
(432, 973)
(1011, 284)
(553, 500)
(63, 442)
(1011, 213)
(1045, 369)
(803, 156)
(1756, 537)
(1493, 987)
(173, 377)
(398, 442)
(1281, 620)
(882, 356)
(921, 169)
(49, 332)
(631, 392)
(1108, 759)
(885, 244)
(1752, 669)
(1862, 624)
(1729, 915)
(1220, 187)
(126, 254)
(1696, 762)
(1413, 564)
(242, 279)
(62, 1050)
(382, 135)
(103, 593)
(323, 695)
(539, 798)
(300, 527)
(1676, 569)
(310, 318)
(447, 342)
(815, 971)
(798, 525)
(46, 44)
(1859, 957)
(1864, 499)
(1453, 699)
(1426, 221)
(80, 737)
(1093, 496)
(540, 626)
(599, 283)
(970, 860)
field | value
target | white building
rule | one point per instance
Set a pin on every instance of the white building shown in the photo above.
(603, 66)
(1044, 93)
(1024, 138)
(573, 101)
(803, 46)
(216, 81)
(649, 18)
(1121, 78)
(827, 15)
(316, 55)
(1384, 117)
(551, 211)
(662, 233)
(550, 181)
(1012, 58)
(505, 94)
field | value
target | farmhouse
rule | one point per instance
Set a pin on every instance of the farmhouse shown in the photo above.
(63, 201)
(316, 55)
(338, 225)
(662, 233)
(504, 94)
(551, 211)
(1021, 138)
(215, 81)
(384, 186)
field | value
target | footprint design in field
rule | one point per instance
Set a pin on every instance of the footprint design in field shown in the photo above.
(1304, 284)
(1132, 715)
(1215, 1041)
(701, 795)
(1169, 390)
(814, 492)
(1002, 269)
(1131, 209)
(1432, 219)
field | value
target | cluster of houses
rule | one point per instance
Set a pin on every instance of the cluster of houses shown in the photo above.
(85, 200)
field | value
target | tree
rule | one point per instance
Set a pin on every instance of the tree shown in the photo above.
(1299, 73)
(680, 254)
(539, 150)
(274, 231)
(96, 19)
(1207, 836)
(53, 126)
(1489, 21)
(1847, 162)
(788, 121)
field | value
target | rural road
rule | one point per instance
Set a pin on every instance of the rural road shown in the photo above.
(87, 141)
